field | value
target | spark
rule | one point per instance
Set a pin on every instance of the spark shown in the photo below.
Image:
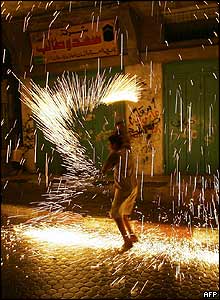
(210, 41)
(146, 51)
(70, 6)
(152, 8)
(189, 126)
(151, 73)
(99, 65)
(143, 286)
(7, 16)
(6, 183)
(47, 79)
(4, 52)
(152, 161)
(18, 143)
(214, 75)
(100, 8)
(77, 233)
(7, 154)
(97, 24)
(142, 184)
(92, 21)
(137, 167)
(181, 115)
(58, 110)
(133, 288)
(210, 120)
(55, 17)
(121, 54)
(206, 16)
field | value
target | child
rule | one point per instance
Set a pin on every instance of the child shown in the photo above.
(125, 185)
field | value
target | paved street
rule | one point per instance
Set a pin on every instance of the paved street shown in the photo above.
(79, 258)
(76, 254)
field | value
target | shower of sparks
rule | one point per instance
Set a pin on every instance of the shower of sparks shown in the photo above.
(60, 111)
(75, 231)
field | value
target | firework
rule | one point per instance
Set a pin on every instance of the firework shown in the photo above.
(58, 110)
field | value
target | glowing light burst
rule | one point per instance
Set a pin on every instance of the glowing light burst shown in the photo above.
(100, 234)
(59, 110)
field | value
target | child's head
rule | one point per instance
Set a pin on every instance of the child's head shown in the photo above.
(115, 141)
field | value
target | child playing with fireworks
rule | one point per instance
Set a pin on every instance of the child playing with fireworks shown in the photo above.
(125, 187)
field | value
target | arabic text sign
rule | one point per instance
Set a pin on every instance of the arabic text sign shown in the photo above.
(76, 42)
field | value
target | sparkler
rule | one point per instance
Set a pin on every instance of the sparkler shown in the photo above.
(58, 111)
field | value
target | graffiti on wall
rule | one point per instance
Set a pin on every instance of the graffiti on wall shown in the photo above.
(28, 133)
(144, 121)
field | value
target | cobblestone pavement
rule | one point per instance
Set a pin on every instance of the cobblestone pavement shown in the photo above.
(75, 257)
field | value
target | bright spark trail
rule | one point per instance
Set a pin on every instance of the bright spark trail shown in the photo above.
(158, 247)
(61, 110)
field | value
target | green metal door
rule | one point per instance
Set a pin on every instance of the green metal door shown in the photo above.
(191, 128)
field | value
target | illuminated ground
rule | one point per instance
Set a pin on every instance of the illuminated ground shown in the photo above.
(72, 257)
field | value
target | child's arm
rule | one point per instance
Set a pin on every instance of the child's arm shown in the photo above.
(110, 162)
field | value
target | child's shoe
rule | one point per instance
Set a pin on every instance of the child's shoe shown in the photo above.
(127, 245)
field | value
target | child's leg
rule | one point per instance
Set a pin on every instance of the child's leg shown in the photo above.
(121, 227)
(133, 237)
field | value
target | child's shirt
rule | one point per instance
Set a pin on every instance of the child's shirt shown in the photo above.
(124, 169)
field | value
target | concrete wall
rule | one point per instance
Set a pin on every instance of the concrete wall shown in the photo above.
(144, 119)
